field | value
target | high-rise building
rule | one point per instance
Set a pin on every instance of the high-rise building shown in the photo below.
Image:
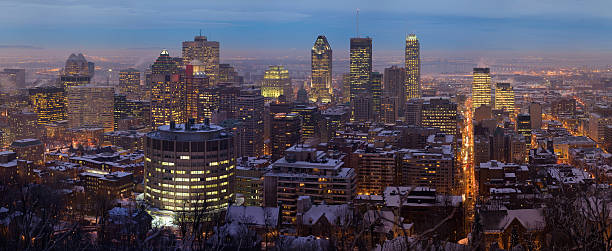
(227, 74)
(307, 172)
(91, 107)
(504, 97)
(321, 70)
(346, 88)
(523, 127)
(49, 104)
(432, 167)
(389, 107)
(76, 71)
(251, 114)
(563, 107)
(29, 149)
(360, 66)
(285, 133)
(394, 85)
(440, 113)
(206, 52)
(311, 117)
(597, 125)
(376, 91)
(129, 83)
(276, 82)
(199, 176)
(376, 169)
(12, 79)
(362, 107)
(535, 113)
(481, 87)
(412, 112)
(196, 81)
(167, 92)
(413, 67)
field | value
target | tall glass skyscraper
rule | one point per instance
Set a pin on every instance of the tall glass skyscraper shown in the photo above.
(360, 70)
(413, 67)
(321, 67)
(167, 92)
(481, 87)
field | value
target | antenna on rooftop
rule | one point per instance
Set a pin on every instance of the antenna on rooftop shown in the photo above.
(357, 22)
(200, 32)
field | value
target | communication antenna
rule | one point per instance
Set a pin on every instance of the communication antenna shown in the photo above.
(200, 32)
(357, 22)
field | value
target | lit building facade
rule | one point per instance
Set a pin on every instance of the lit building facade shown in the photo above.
(481, 87)
(413, 67)
(81, 112)
(129, 83)
(48, 103)
(76, 71)
(523, 127)
(360, 66)
(376, 169)
(188, 166)
(251, 116)
(206, 52)
(311, 117)
(376, 91)
(394, 85)
(29, 149)
(277, 82)
(440, 113)
(167, 92)
(321, 70)
(432, 167)
(504, 97)
(285, 133)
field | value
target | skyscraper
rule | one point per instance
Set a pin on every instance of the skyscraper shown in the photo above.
(440, 113)
(196, 81)
(394, 85)
(206, 52)
(76, 71)
(360, 66)
(129, 83)
(276, 82)
(413, 67)
(167, 92)
(376, 90)
(523, 127)
(311, 117)
(48, 103)
(251, 114)
(228, 74)
(481, 87)
(504, 97)
(321, 70)
(535, 114)
(286, 133)
(82, 112)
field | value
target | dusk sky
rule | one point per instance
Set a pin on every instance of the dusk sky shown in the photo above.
(547, 25)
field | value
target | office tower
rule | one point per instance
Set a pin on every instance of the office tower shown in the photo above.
(285, 133)
(227, 74)
(413, 67)
(91, 107)
(376, 169)
(200, 174)
(120, 109)
(346, 88)
(321, 70)
(311, 117)
(607, 144)
(394, 85)
(302, 96)
(307, 172)
(440, 113)
(389, 108)
(523, 127)
(563, 107)
(167, 92)
(251, 114)
(49, 104)
(76, 71)
(362, 107)
(483, 112)
(276, 82)
(206, 52)
(504, 97)
(129, 83)
(481, 87)
(535, 113)
(360, 67)
(412, 112)
(333, 119)
(196, 82)
(29, 149)
(376, 91)
(432, 167)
